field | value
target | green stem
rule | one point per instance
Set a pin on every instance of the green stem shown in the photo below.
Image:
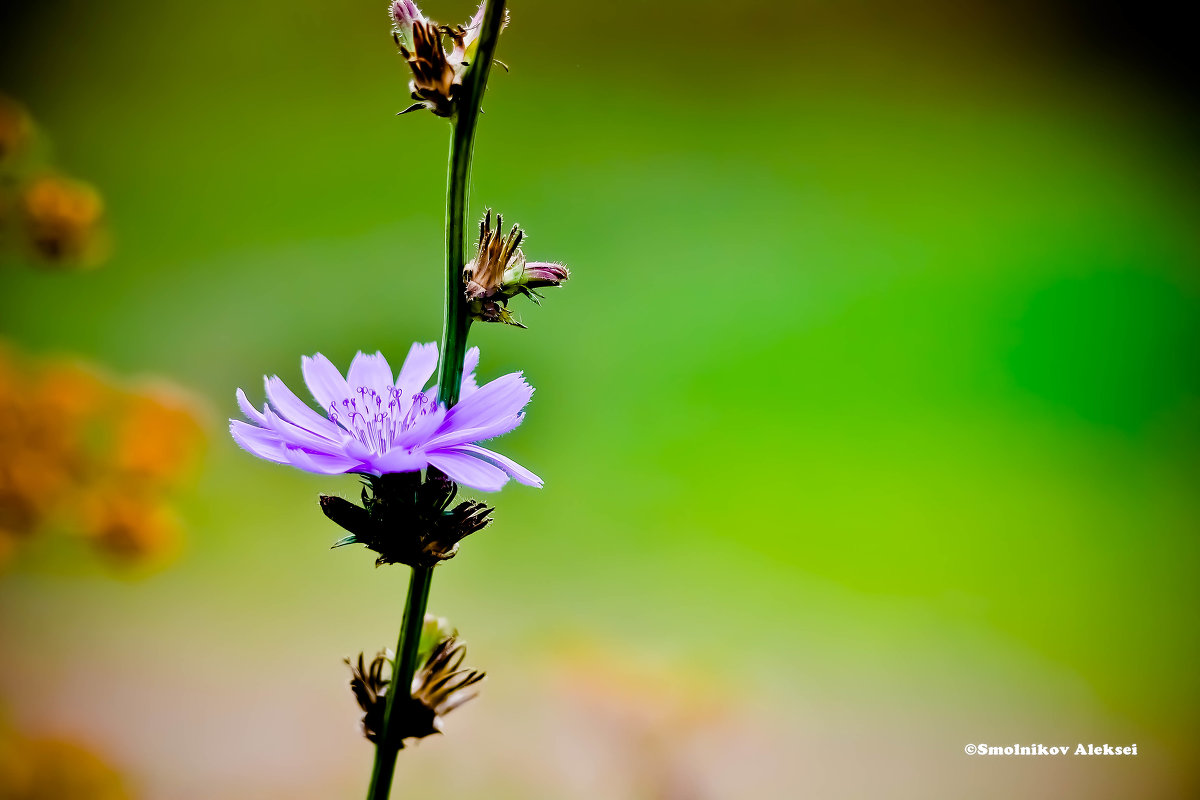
(454, 347)
(406, 664)
(462, 139)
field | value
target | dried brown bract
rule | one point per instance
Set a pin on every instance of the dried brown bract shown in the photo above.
(370, 687)
(435, 82)
(439, 687)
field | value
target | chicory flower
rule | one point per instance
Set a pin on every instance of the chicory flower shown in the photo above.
(376, 424)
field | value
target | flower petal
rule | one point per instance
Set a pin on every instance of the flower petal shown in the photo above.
(398, 459)
(296, 436)
(469, 471)
(297, 412)
(422, 429)
(451, 436)
(371, 371)
(250, 411)
(470, 364)
(490, 403)
(256, 441)
(505, 463)
(324, 380)
(417, 369)
(320, 463)
(468, 386)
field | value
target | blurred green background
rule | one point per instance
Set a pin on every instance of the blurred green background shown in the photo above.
(869, 418)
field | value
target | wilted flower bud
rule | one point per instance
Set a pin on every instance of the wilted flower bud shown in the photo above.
(439, 687)
(500, 272)
(523, 278)
(437, 70)
(434, 83)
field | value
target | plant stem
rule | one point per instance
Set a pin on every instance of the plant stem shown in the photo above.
(454, 347)
(406, 657)
(462, 139)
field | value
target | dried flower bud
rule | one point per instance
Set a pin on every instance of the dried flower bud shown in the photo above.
(439, 687)
(437, 70)
(434, 83)
(406, 520)
(523, 278)
(500, 272)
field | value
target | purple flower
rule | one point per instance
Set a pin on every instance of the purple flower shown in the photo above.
(405, 13)
(376, 425)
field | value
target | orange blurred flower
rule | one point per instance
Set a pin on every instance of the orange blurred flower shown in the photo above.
(63, 221)
(82, 453)
(128, 525)
(36, 454)
(46, 769)
(157, 437)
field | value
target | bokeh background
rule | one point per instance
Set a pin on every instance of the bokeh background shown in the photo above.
(869, 418)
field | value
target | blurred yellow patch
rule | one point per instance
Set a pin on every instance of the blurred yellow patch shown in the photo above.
(63, 221)
(130, 525)
(83, 454)
(157, 437)
(54, 220)
(46, 769)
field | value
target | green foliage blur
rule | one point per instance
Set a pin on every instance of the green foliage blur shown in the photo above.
(873, 397)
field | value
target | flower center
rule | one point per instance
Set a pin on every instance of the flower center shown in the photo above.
(374, 422)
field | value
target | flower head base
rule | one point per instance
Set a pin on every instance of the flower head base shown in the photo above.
(378, 424)
(407, 521)
(437, 70)
(439, 687)
(500, 272)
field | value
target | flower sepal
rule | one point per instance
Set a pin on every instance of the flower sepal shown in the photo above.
(406, 520)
